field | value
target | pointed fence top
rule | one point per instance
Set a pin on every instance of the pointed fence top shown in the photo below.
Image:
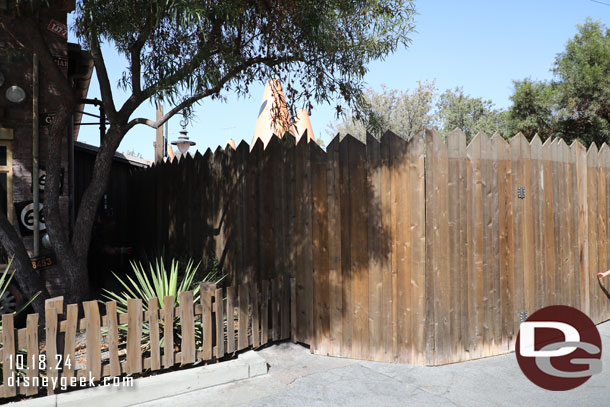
(575, 145)
(302, 126)
(231, 144)
(536, 140)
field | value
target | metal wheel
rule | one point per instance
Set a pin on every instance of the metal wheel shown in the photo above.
(11, 300)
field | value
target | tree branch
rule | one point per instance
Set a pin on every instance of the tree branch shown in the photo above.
(102, 77)
(208, 92)
(81, 236)
(136, 87)
(136, 57)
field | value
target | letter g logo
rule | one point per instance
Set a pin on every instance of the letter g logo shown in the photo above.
(559, 348)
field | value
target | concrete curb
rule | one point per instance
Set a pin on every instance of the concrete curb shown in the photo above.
(145, 389)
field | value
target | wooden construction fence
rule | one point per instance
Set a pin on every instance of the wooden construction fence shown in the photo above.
(222, 322)
(425, 251)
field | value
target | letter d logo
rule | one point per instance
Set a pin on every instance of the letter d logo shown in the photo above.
(527, 333)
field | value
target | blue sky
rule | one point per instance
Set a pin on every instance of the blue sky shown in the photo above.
(480, 45)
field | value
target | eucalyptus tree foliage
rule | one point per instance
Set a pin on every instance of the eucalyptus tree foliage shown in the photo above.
(471, 115)
(403, 112)
(183, 51)
(408, 112)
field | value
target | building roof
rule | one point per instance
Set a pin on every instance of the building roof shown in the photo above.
(126, 158)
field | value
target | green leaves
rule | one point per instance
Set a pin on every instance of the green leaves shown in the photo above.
(469, 114)
(576, 104)
(182, 48)
(159, 282)
(406, 113)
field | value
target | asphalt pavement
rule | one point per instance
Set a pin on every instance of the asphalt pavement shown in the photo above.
(298, 378)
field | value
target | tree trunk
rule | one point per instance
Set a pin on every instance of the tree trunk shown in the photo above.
(28, 279)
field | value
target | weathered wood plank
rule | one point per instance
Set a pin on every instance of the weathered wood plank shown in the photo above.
(418, 247)
(206, 290)
(346, 275)
(285, 307)
(275, 312)
(548, 223)
(517, 157)
(32, 355)
(538, 206)
(385, 249)
(168, 331)
(93, 339)
(375, 237)
(401, 193)
(604, 211)
(487, 176)
(437, 244)
(491, 275)
(475, 246)
(358, 250)
(187, 322)
(243, 301)
(230, 319)
(592, 201)
(220, 326)
(8, 351)
(456, 189)
(602, 225)
(70, 339)
(254, 304)
(583, 225)
(334, 247)
(113, 335)
(569, 160)
(265, 311)
(134, 335)
(321, 321)
(559, 192)
(51, 346)
(529, 271)
(304, 219)
(293, 308)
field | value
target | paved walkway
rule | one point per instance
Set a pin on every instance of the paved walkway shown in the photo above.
(297, 378)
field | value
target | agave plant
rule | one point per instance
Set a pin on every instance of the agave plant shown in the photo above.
(5, 281)
(159, 282)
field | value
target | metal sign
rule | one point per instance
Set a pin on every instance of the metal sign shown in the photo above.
(61, 62)
(46, 119)
(43, 262)
(58, 28)
(25, 214)
(42, 180)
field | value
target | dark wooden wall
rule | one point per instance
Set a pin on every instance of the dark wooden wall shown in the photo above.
(415, 251)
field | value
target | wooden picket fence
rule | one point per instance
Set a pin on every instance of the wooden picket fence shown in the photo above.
(229, 319)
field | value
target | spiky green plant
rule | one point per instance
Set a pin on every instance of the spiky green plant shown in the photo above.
(5, 281)
(159, 282)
